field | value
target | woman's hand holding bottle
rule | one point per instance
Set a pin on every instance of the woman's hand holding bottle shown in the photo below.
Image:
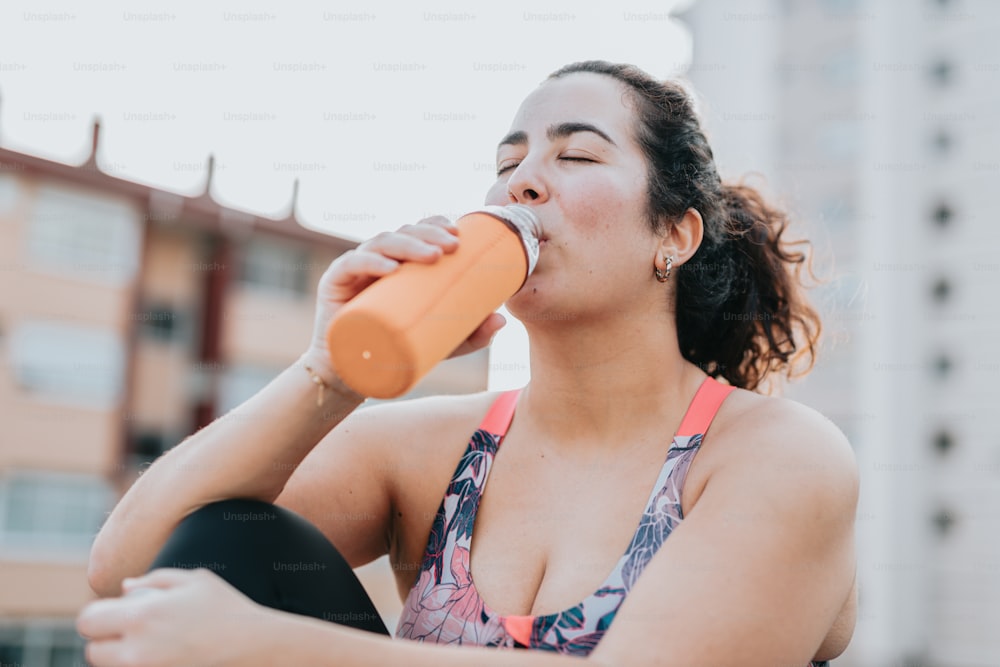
(425, 242)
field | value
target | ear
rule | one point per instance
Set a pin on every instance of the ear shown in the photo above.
(682, 238)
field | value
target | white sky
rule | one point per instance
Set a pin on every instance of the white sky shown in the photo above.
(386, 111)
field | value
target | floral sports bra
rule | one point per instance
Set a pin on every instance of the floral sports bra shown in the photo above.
(444, 607)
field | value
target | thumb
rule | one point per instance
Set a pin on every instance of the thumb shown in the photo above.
(490, 326)
(482, 336)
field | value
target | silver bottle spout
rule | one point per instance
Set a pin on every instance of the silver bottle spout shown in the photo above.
(523, 220)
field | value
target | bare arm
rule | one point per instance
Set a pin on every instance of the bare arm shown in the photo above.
(252, 451)
(839, 637)
(248, 453)
(763, 564)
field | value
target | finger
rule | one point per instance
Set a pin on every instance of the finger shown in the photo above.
(440, 221)
(106, 653)
(482, 336)
(105, 619)
(359, 263)
(164, 577)
(404, 247)
(446, 239)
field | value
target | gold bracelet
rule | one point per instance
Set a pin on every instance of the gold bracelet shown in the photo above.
(335, 386)
(320, 383)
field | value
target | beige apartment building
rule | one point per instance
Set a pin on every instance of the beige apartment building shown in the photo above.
(130, 317)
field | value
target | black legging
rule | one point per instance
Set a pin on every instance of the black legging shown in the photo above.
(276, 558)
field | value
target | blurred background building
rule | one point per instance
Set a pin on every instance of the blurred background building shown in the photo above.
(130, 317)
(878, 124)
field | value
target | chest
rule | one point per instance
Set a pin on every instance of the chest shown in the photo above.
(550, 529)
(546, 536)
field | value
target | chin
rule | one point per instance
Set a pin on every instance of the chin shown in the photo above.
(525, 301)
(531, 304)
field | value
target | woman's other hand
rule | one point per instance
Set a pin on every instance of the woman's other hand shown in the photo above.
(175, 618)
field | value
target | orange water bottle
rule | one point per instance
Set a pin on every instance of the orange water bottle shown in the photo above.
(386, 338)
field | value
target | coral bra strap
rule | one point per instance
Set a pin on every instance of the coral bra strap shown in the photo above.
(703, 407)
(498, 419)
(697, 419)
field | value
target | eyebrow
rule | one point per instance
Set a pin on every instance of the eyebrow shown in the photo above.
(559, 131)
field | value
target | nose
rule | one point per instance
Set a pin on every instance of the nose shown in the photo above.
(526, 185)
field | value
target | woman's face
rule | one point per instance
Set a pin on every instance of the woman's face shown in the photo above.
(572, 157)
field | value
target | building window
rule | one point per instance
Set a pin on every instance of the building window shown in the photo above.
(147, 445)
(943, 441)
(10, 192)
(91, 238)
(941, 290)
(41, 645)
(943, 520)
(159, 322)
(942, 215)
(942, 72)
(942, 365)
(67, 362)
(942, 142)
(53, 513)
(275, 266)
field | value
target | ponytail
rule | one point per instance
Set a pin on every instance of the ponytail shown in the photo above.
(740, 302)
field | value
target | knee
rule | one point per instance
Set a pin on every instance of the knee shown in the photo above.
(236, 510)
(219, 531)
(227, 518)
(245, 517)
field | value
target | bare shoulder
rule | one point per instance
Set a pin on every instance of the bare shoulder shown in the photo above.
(380, 459)
(783, 435)
(420, 440)
(781, 445)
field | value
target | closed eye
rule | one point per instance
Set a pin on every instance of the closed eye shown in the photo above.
(568, 158)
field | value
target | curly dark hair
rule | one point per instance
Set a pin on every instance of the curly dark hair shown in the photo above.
(740, 304)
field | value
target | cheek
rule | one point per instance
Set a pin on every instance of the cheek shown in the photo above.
(600, 205)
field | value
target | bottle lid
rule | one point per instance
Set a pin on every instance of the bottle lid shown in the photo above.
(523, 220)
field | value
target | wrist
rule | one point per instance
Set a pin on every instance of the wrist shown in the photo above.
(316, 366)
(271, 639)
(301, 640)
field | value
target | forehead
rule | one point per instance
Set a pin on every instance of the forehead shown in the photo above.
(582, 96)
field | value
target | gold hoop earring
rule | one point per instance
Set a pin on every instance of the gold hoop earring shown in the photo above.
(664, 276)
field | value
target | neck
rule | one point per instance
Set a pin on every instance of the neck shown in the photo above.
(602, 383)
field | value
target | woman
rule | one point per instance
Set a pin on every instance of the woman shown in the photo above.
(653, 276)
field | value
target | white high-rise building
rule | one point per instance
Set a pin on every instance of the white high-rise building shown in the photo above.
(878, 125)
